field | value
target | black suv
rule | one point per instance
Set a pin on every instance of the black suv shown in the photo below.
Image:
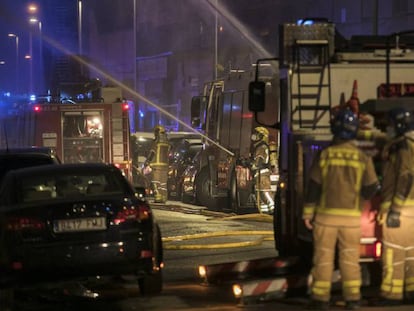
(15, 158)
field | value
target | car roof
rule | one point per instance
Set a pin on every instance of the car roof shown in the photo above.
(65, 167)
(30, 152)
(27, 150)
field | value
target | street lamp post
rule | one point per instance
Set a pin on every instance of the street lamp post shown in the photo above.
(30, 58)
(39, 59)
(16, 37)
(80, 27)
(32, 9)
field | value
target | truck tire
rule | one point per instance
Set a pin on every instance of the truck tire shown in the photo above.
(203, 184)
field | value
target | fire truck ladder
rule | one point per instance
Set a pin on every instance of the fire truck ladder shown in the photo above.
(311, 98)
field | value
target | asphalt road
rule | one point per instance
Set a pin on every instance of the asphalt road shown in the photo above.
(183, 289)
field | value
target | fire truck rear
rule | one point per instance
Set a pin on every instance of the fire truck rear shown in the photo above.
(84, 131)
(314, 79)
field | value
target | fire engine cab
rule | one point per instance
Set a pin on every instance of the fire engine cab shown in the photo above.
(221, 177)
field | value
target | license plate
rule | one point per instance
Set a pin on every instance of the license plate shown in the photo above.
(79, 224)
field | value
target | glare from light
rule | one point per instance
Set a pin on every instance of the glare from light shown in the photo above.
(202, 271)
(237, 290)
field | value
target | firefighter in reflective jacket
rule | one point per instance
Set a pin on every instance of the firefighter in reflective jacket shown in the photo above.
(261, 169)
(397, 210)
(158, 161)
(340, 178)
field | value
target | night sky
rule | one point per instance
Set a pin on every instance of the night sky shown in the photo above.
(13, 19)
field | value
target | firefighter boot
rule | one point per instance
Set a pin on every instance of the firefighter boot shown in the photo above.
(352, 305)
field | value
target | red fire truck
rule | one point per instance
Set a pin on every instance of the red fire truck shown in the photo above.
(77, 131)
(314, 79)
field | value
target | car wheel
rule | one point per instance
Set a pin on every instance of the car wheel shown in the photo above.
(6, 299)
(151, 284)
(203, 197)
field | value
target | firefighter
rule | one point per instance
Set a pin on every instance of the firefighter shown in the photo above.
(158, 161)
(260, 166)
(397, 210)
(340, 177)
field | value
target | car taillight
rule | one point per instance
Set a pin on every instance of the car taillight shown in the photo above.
(24, 223)
(371, 250)
(137, 213)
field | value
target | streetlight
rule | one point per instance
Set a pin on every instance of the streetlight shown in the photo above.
(80, 27)
(32, 9)
(16, 38)
(39, 62)
(80, 47)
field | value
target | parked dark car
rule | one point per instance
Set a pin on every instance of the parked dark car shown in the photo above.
(15, 158)
(74, 221)
(181, 156)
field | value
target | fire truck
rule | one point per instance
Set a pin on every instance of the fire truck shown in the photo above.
(91, 131)
(314, 78)
(221, 179)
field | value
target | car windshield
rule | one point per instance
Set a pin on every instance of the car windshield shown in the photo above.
(61, 186)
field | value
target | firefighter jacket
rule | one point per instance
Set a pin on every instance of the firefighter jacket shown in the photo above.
(261, 157)
(398, 171)
(340, 178)
(158, 155)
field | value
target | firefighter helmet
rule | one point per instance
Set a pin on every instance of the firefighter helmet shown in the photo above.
(401, 120)
(159, 129)
(260, 134)
(344, 124)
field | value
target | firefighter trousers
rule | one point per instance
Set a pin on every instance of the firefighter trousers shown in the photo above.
(398, 261)
(160, 178)
(265, 198)
(326, 239)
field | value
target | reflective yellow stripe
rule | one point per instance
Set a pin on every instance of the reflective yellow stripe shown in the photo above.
(391, 289)
(385, 205)
(397, 282)
(321, 288)
(352, 283)
(389, 267)
(339, 211)
(401, 202)
(322, 284)
(397, 290)
(409, 288)
(308, 210)
(409, 280)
